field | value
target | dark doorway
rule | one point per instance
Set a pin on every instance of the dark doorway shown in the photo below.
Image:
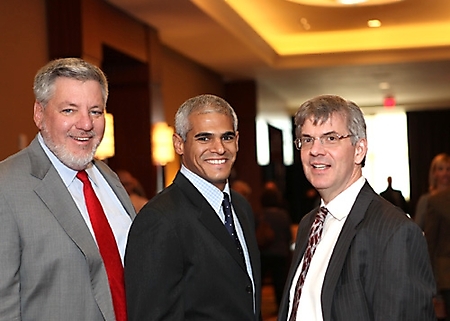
(129, 102)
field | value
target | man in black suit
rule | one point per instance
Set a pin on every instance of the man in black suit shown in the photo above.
(181, 262)
(394, 196)
(371, 261)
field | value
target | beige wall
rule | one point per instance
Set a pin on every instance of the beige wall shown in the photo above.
(23, 51)
(183, 79)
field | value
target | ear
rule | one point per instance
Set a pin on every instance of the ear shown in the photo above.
(38, 114)
(360, 150)
(178, 144)
(237, 141)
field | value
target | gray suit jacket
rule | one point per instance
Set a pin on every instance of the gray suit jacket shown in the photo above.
(50, 266)
(181, 264)
(379, 269)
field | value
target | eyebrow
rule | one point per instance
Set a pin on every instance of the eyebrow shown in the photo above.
(327, 133)
(208, 134)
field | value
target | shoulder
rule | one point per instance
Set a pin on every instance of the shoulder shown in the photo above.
(440, 200)
(378, 210)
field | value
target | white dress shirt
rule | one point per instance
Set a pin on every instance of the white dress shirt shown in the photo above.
(118, 218)
(310, 306)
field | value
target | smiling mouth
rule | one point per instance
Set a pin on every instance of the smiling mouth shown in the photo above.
(320, 166)
(216, 161)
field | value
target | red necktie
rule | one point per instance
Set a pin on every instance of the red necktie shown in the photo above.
(315, 234)
(107, 247)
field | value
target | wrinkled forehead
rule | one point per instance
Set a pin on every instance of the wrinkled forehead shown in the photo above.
(334, 122)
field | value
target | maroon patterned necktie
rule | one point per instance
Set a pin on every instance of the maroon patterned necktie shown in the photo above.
(107, 246)
(315, 234)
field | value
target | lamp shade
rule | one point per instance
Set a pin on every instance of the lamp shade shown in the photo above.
(106, 148)
(162, 147)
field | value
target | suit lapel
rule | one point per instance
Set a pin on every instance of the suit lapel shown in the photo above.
(54, 194)
(339, 255)
(117, 187)
(208, 217)
(248, 228)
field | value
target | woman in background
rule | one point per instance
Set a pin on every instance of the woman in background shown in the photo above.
(439, 179)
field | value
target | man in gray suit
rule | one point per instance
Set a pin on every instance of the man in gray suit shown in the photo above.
(51, 268)
(181, 262)
(370, 261)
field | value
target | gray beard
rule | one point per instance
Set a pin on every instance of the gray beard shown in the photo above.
(67, 158)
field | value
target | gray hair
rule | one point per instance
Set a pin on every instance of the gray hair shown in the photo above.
(73, 68)
(321, 108)
(202, 104)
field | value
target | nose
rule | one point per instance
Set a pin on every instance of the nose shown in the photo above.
(85, 121)
(317, 147)
(217, 146)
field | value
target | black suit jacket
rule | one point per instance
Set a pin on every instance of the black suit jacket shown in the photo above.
(181, 263)
(379, 269)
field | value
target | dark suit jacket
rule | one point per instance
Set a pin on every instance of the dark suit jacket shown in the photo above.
(437, 233)
(379, 269)
(50, 266)
(181, 263)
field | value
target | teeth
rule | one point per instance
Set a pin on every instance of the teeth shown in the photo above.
(217, 162)
(82, 138)
(320, 166)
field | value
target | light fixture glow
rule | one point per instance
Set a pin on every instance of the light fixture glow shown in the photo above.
(106, 148)
(351, 2)
(162, 147)
(374, 23)
(344, 3)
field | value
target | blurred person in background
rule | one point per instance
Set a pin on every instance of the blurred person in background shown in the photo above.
(438, 180)
(394, 196)
(133, 188)
(275, 249)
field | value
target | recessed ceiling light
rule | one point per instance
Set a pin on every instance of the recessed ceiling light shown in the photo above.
(305, 24)
(384, 85)
(350, 2)
(343, 3)
(374, 23)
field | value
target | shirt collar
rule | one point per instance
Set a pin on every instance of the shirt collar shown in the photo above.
(67, 174)
(212, 194)
(341, 205)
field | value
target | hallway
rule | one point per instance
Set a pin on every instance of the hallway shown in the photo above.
(268, 305)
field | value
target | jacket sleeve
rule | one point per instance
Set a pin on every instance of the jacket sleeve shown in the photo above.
(9, 264)
(153, 269)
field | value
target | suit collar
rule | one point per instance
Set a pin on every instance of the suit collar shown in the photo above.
(54, 194)
(338, 257)
(208, 217)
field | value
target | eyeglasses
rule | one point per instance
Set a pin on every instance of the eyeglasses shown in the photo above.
(327, 140)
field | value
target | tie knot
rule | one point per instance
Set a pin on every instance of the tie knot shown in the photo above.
(226, 197)
(82, 176)
(322, 213)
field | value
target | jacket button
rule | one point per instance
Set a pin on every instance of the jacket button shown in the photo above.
(249, 289)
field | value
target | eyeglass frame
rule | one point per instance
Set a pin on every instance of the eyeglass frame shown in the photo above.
(298, 144)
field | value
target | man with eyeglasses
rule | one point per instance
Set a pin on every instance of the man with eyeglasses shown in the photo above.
(357, 257)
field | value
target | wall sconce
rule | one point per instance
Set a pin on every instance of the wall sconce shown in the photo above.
(162, 151)
(162, 147)
(106, 148)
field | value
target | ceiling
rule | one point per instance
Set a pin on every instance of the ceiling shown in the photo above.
(296, 51)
